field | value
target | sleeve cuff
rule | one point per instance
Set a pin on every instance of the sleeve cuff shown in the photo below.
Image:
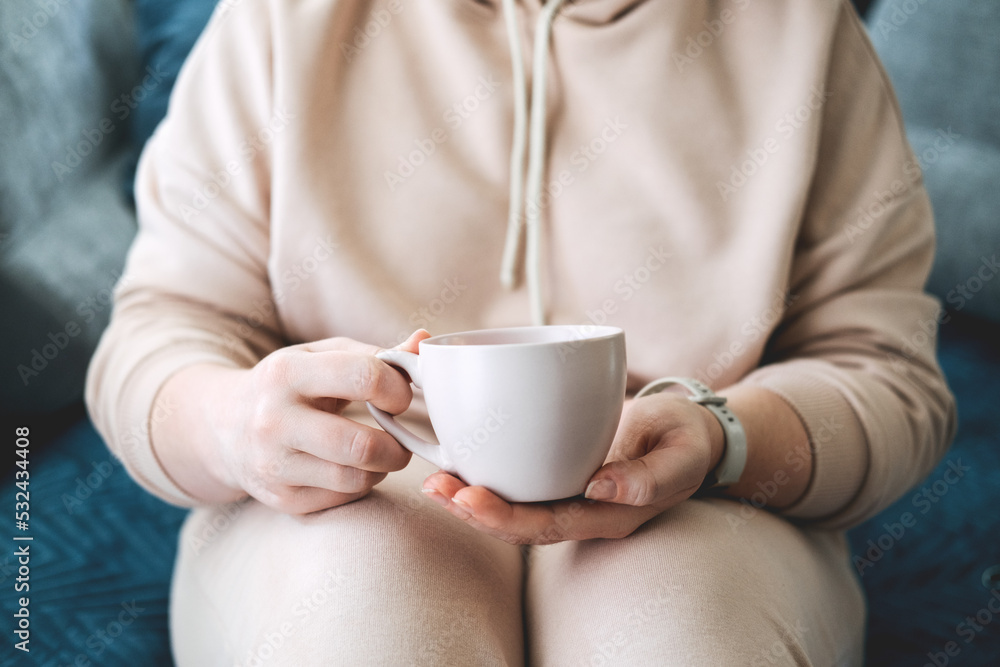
(139, 413)
(836, 437)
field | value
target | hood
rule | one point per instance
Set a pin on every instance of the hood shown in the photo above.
(524, 256)
(589, 12)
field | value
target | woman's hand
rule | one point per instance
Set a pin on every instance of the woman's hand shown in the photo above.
(276, 432)
(665, 447)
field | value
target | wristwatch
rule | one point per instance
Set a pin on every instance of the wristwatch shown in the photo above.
(734, 456)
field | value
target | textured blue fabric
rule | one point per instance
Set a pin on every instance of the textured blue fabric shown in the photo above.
(64, 225)
(944, 62)
(924, 579)
(166, 31)
(102, 555)
(942, 57)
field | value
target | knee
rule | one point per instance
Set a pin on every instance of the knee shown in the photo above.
(399, 533)
(764, 592)
(392, 570)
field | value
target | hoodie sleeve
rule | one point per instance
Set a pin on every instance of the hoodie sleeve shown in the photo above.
(855, 355)
(195, 288)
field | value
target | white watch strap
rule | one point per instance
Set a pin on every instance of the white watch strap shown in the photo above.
(734, 457)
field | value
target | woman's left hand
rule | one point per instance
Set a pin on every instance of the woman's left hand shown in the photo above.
(664, 448)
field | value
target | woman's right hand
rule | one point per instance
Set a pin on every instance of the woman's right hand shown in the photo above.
(276, 431)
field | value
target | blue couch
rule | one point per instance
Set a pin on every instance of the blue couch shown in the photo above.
(103, 549)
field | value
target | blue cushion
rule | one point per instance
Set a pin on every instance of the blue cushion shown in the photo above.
(942, 58)
(166, 30)
(64, 225)
(922, 561)
(101, 559)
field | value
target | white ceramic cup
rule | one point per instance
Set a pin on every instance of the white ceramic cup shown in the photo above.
(527, 412)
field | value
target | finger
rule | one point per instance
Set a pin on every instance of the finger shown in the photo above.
(305, 500)
(305, 470)
(412, 343)
(345, 442)
(548, 523)
(659, 479)
(535, 523)
(643, 426)
(351, 376)
(340, 344)
(444, 489)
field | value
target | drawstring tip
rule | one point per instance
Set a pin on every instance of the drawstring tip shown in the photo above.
(508, 280)
(538, 317)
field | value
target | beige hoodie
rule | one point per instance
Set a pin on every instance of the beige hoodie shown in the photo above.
(728, 181)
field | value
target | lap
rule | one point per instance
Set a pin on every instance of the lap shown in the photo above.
(693, 588)
(393, 579)
(389, 579)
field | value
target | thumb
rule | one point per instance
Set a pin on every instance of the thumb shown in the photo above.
(411, 343)
(654, 479)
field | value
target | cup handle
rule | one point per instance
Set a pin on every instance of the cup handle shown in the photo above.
(429, 451)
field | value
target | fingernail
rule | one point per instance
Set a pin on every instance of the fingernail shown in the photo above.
(601, 489)
(460, 509)
(436, 497)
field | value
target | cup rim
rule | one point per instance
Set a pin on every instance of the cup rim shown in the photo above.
(595, 332)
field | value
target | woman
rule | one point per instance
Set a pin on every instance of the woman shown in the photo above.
(726, 181)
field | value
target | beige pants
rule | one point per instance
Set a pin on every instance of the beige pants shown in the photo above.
(394, 580)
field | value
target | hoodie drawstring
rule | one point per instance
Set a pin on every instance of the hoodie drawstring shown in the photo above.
(536, 155)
